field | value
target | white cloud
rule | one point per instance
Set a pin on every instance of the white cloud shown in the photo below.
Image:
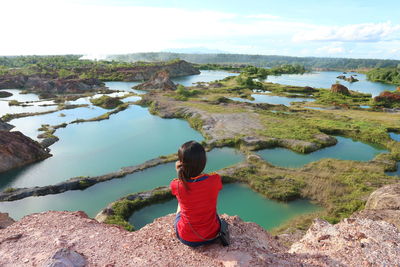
(331, 49)
(368, 32)
(262, 16)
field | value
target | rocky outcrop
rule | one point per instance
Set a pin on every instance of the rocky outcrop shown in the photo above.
(352, 242)
(43, 238)
(5, 220)
(159, 81)
(340, 89)
(383, 204)
(225, 128)
(5, 94)
(5, 126)
(17, 150)
(106, 102)
(48, 85)
(387, 98)
(350, 79)
(142, 73)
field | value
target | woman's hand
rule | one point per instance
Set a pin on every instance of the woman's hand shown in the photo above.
(178, 165)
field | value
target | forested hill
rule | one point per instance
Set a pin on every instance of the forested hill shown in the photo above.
(262, 60)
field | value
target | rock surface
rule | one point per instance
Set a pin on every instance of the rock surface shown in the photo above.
(159, 81)
(5, 220)
(5, 126)
(17, 150)
(36, 238)
(40, 239)
(388, 97)
(352, 242)
(48, 85)
(385, 198)
(5, 94)
(340, 89)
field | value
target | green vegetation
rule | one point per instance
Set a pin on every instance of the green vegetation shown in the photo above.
(71, 66)
(341, 187)
(386, 75)
(106, 102)
(9, 190)
(125, 207)
(261, 60)
(184, 94)
(326, 97)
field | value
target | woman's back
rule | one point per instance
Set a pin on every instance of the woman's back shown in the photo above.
(198, 202)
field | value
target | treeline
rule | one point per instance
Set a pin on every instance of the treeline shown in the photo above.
(70, 66)
(261, 60)
(386, 75)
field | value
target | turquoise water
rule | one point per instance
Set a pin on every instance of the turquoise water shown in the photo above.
(325, 79)
(235, 199)
(395, 136)
(271, 99)
(97, 197)
(29, 125)
(395, 173)
(345, 149)
(124, 86)
(94, 148)
(204, 76)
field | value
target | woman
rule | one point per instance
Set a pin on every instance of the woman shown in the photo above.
(197, 222)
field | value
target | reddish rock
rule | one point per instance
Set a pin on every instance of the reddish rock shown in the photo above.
(388, 97)
(5, 220)
(358, 242)
(17, 150)
(159, 81)
(340, 89)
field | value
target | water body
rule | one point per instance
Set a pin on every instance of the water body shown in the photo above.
(204, 76)
(345, 149)
(272, 99)
(325, 79)
(97, 197)
(94, 148)
(30, 125)
(395, 136)
(235, 199)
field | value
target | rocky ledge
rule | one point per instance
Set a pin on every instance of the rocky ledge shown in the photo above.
(224, 128)
(73, 238)
(48, 85)
(159, 81)
(5, 126)
(17, 150)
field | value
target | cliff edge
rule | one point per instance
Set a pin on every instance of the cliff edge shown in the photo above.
(72, 239)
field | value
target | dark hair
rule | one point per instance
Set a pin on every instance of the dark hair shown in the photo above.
(193, 158)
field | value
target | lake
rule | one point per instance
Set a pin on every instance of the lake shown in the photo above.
(272, 99)
(324, 79)
(345, 149)
(236, 199)
(97, 197)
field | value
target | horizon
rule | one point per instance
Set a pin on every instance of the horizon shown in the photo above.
(359, 30)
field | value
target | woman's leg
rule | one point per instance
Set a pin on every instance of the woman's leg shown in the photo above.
(178, 209)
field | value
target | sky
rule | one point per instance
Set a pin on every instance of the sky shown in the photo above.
(352, 28)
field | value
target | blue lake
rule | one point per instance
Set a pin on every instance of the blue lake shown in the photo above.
(345, 149)
(235, 199)
(325, 79)
(94, 198)
(270, 99)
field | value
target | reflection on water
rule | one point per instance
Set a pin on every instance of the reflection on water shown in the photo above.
(272, 99)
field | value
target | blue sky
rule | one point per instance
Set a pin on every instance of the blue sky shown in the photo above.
(358, 29)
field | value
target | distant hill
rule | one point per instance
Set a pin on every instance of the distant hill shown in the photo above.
(261, 60)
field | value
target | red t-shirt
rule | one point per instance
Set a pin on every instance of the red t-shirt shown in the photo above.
(198, 206)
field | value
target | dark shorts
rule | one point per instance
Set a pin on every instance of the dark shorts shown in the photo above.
(188, 243)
